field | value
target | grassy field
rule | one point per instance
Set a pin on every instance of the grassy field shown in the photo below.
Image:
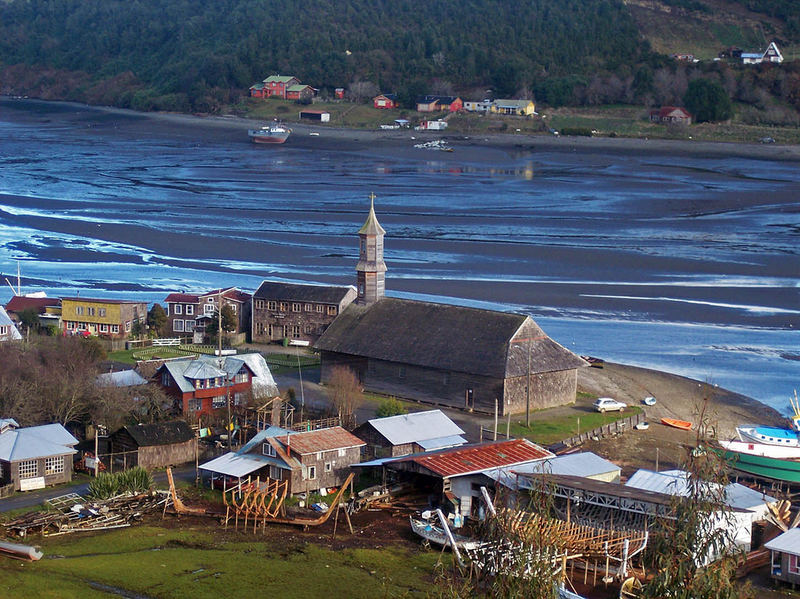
(155, 562)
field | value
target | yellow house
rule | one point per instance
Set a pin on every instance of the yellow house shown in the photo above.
(516, 107)
(106, 317)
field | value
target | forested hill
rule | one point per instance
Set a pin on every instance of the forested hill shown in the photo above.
(192, 46)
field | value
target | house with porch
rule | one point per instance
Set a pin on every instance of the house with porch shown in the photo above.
(274, 86)
(34, 457)
(309, 461)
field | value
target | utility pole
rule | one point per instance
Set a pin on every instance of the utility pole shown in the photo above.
(225, 381)
(528, 390)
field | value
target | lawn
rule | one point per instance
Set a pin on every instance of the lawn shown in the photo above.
(547, 430)
(157, 562)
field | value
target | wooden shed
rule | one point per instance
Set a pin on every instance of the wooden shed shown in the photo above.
(154, 445)
(785, 550)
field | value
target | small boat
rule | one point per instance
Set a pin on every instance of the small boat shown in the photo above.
(594, 362)
(675, 423)
(642, 426)
(274, 133)
(649, 401)
(435, 534)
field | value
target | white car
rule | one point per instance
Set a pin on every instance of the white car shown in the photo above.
(607, 404)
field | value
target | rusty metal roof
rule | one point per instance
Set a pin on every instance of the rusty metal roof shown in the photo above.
(477, 458)
(324, 439)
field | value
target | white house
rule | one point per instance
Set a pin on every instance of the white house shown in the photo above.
(771, 54)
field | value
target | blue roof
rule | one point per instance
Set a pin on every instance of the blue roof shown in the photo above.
(272, 431)
(441, 442)
(36, 442)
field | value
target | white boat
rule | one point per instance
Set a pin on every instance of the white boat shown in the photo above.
(768, 435)
(642, 426)
(765, 450)
(649, 401)
(274, 133)
(435, 534)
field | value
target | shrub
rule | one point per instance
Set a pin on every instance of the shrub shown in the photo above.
(582, 131)
(390, 406)
(136, 480)
(104, 486)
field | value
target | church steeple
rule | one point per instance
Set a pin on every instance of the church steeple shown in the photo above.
(370, 268)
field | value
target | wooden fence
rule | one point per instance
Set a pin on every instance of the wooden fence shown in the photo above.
(607, 430)
(6, 490)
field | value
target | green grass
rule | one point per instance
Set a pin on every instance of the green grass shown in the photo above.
(162, 563)
(547, 430)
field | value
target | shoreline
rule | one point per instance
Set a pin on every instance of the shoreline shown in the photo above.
(348, 139)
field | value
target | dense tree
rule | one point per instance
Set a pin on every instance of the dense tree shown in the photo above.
(157, 320)
(707, 101)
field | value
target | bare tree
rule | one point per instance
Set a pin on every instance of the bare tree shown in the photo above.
(359, 90)
(345, 393)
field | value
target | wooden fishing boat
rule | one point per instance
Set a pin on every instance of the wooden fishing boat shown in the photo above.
(675, 423)
(744, 459)
(436, 534)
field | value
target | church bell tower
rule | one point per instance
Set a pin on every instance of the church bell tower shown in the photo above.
(370, 268)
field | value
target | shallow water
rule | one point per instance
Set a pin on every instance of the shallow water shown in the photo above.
(685, 264)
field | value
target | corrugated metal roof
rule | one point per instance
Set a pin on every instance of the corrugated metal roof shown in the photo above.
(442, 442)
(272, 431)
(263, 383)
(18, 303)
(35, 442)
(232, 464)
(324, 439)
(206, 367)
(674, 482)
(478, 458)
(201, 369)
(585, 464)
(416, 427)
(120, 378)
(788, 542)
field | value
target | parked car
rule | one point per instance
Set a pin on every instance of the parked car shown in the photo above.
(607, 404)
(767, 140)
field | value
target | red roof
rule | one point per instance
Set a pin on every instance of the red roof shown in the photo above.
(477, 458)
(665, 111)
(19, 303)
(181, 298)
(323, 439)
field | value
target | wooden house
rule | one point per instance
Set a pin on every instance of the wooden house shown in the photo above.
(309, 461)
(771, 54)
(154, 445)
(409, 433)
(785, 556)
(513, 107)
(670, 114)
(338, 93)
(257, 90)
(300, 91)
(455, 356)
(36, 456)
(432, 103)
(8, 330)
(48, 309)
(296, 311)
(104, 317)
(188, 313)
(276, 86)
(385, 101)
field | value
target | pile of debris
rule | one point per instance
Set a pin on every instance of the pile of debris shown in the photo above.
(73, 513)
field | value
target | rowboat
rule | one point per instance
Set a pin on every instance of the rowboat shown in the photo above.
(675, 423)
(435, 534)
(649, 401)
(642, 426)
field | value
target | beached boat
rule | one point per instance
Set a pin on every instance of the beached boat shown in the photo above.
(642, 426)
(744, 459)
(649, 401)
(675, 423)
(274, 133)
(763, 449)
(768, 435)
(435, 534)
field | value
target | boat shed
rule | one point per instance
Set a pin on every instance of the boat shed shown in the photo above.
(153, 445)
(584, 464)
(409, 433)
(785, 556)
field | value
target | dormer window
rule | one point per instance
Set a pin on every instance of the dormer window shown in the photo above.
(268, 450)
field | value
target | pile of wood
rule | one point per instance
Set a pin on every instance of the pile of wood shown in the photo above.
(72, 513)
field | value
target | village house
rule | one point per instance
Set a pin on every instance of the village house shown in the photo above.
(467, 358)
(104, 317)
(300, 92)
(385, 101)
(771, 54)
(48, 309)
(190, 313)
(409, 433)
(439, 103)
(785, 557)
(309, 461)
(455, 475)
(670, 114)
(153, 446)
(36, 456)
(296, 311)
(513, 107)
(8, 330)
(204, 385)
(482, 107)
(274, 86)
(338, 93)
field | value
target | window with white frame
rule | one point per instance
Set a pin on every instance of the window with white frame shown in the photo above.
(90, 311)
(309, 307)
(219, 402)
(296, 307)
(238, 398)
(104, 328)
(101, 311)
(1, 470)
(54, 465)
(332, 310)
(177, 325)
(320, 307)
(79, 310)
(115, 328)
(269, 450)
(275, 473)
(328, 466)
(127, 325)
(342, 453)
(178, 309)
(312, 472)
(189, 309)
(166, 309)
(188, 325)
(165, 378)
(284, 306)
(794, 564)
(208, 309)
(272, 305)
(29, 469)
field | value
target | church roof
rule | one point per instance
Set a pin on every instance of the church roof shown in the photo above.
(446, 337)
(371, 225)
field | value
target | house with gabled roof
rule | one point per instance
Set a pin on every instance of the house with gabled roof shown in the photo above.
(670, 114)
(771, 54)
(274, 86)
(433, 103)
(188, 313)
(309, 461)
(34, 457)
(8, 330)
(154, 445)
(404, 434)
(300, 91)
(385, 101)
(48, 309)
(204, 385)
(514, 107)
(298, 312)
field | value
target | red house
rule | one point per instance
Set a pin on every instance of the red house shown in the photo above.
(299, 91)
(203, 386)
(670, 114)
(385, 101)
(338, 93)
(439, 103)
(276, 86)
